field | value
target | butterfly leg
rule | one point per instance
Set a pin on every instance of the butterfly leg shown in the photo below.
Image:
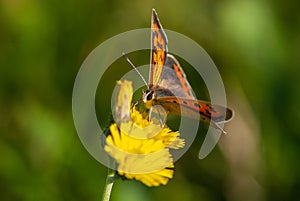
(217, 126)
(137, 103)
(131, 111)
(158, 113)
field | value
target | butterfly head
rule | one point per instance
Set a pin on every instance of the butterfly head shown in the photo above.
(148, 97)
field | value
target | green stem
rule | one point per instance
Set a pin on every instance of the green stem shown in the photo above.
(111, 177)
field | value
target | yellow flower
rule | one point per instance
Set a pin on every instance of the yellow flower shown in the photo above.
(140, 147)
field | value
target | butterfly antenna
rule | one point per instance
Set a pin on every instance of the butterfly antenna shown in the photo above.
(133, 66)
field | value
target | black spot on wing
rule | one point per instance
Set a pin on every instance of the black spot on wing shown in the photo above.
(208, 112)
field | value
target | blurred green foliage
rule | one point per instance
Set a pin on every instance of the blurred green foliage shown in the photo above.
(255, 45)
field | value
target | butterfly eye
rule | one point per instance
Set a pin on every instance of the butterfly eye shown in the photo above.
(150, 96)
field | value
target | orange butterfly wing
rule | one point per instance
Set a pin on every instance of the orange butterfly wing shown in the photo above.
(196, 109)
(159, 49)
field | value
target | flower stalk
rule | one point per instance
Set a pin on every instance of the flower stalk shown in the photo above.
(110, 179)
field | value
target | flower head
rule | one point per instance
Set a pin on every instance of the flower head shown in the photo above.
(140, 147)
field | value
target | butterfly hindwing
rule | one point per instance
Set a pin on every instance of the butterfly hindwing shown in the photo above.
(174, 79)
(196, 109)
(159, 49)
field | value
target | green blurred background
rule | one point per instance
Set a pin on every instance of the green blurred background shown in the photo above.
(255, 45)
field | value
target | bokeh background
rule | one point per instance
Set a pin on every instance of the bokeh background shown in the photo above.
(255, 45)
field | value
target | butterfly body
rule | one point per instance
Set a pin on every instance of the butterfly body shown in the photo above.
(168, 85)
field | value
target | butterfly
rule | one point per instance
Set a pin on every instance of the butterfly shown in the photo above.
(168, 85)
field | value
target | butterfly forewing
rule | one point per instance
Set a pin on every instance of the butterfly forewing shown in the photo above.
(158, 49)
